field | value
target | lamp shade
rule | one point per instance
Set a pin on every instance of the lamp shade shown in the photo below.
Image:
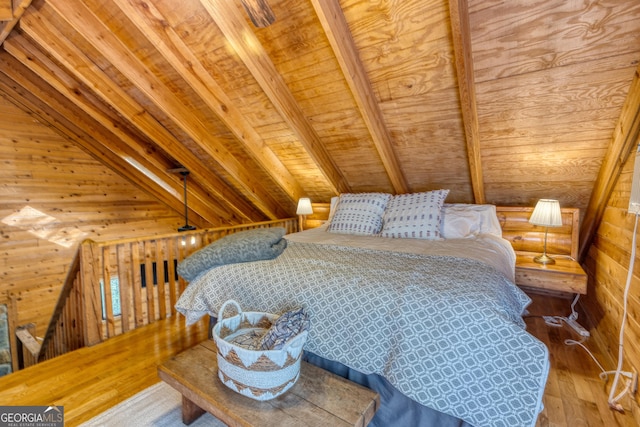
(547, 213)
(304, 206)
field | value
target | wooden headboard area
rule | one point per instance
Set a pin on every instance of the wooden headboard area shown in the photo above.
(525, 237)
(529, 238)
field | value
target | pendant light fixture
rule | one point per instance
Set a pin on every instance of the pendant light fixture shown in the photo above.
(185, 173)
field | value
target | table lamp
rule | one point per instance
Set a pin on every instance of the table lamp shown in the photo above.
(304, 209)
(546, 213)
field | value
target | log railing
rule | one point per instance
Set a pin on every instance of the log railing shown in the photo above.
(114, 287)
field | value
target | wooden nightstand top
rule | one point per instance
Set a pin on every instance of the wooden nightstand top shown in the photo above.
(566, 275)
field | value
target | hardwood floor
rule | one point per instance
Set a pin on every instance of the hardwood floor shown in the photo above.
(575, 395)
(88, 381)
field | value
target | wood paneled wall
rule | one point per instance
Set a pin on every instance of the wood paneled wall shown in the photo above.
(54, 195)
(607, 264)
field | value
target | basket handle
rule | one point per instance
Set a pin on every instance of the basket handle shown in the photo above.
(221, 312)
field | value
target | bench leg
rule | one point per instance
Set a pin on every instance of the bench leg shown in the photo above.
(190, 411)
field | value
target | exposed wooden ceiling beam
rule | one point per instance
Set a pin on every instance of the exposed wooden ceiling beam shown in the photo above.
(16, 13)
(624, 140)
(459, 12)
(170, 45)
(47, 35)
(124, 145)
(6, 10)
(232, 23)
(102, 39)
(337, 31)
(52, 108)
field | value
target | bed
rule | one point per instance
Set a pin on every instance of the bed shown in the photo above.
(427, 315)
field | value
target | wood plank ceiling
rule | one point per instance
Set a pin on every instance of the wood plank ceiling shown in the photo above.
(500, 102)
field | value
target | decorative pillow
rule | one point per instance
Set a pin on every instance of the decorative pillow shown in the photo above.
(414, 216)
(332, 207)
(460, 220)
(250, 245)
(359, 213)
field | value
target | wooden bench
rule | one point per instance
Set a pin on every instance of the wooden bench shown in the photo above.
(319, 398)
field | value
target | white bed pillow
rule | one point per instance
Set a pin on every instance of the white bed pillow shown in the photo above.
(414, 215)
(460, 220)
(359, 213)
(332, 207)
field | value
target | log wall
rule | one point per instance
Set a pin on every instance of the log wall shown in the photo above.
(607, 264)
(54, 195)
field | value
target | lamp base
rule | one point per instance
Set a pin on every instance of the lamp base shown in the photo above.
(544, 259)
(187, 227)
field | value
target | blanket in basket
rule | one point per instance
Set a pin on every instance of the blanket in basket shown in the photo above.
(445, 331)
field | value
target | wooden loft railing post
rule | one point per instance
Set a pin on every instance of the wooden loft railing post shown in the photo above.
(87, 313)
(91, 297)
(49, 348)
(13, 325)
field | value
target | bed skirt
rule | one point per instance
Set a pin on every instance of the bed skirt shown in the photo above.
(395, 408)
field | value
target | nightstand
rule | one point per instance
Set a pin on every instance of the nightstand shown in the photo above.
(566, 275)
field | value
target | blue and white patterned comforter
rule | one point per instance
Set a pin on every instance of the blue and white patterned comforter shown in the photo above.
(445, 331)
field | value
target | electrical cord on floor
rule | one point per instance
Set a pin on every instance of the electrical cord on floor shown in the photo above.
(557, 321)
(571, 320)
(574, 313)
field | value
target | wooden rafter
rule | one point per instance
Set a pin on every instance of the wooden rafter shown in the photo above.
(130, 151)
(6, 10)
(625, 138)
(149, 20)
(76, 62)
(10, 13)
(337, 31)
(101, 38)
(232, 23)
(52, 108)
(466, 86)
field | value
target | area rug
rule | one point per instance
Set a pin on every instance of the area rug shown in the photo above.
(157, 406)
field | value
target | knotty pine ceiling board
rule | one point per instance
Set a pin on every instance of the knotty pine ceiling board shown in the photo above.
(550, 80)
(549, 91)
(245, 93)
(407, 50)
(195, 117)
(520, 37)
(308, 66)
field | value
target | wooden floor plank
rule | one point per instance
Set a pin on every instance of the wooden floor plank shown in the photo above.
(90, 380)
(575, 395)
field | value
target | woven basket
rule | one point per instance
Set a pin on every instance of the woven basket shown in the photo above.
(258, 374)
